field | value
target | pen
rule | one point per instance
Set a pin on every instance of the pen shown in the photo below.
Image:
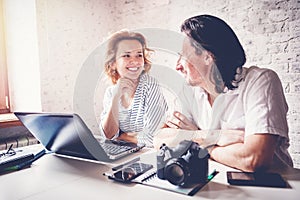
(10, 148)
(127, 163)
(212, 175)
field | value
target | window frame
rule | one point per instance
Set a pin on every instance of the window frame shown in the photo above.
(4, 91)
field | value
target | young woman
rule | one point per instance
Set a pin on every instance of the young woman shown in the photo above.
(134, 105)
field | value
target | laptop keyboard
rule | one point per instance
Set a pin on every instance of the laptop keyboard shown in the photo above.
(114, 149)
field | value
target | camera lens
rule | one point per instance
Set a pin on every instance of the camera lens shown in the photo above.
(176, 172)
(175, 175)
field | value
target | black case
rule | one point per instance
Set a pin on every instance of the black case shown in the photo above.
(256, 179)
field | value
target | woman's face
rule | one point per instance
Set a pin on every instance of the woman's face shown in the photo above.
(195, 67)
(129, 59)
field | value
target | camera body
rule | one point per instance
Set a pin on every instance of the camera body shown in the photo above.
(184, 165)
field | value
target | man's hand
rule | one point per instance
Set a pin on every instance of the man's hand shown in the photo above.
(180, 121)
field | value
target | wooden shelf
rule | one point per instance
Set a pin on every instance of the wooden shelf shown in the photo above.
(9, 120)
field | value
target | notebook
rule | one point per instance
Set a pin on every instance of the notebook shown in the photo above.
(150, 178)
(68, 135)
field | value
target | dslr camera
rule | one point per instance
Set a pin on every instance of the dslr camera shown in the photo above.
(185, 165)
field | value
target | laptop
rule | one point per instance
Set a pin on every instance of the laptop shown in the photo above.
(68, 135)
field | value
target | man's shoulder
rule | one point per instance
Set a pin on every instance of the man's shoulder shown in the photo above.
(254, 72)
(259, 79)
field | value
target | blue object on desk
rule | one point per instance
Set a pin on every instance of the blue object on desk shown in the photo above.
(14, 160)
(29, 162)
(22, 162)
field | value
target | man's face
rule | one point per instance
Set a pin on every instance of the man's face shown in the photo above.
(194, 66)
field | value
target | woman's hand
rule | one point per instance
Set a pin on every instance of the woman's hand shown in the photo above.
(129, 137)
(180, 121)
(125, 87)
(125, 90)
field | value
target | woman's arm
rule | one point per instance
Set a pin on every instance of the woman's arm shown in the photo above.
(256, 153)
(110, 123)
(123, 91)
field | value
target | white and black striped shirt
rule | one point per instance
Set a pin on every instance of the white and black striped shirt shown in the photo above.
(145, 114)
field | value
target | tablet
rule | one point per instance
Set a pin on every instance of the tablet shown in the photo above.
(130, 172)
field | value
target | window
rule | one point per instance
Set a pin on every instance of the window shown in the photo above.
(4, 95)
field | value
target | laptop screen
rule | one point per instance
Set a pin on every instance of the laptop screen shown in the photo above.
(60, 133)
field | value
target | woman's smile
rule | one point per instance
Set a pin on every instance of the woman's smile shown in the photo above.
(133, 68)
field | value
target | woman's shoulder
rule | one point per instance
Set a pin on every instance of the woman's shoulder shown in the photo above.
(109, 89)
(148, 79)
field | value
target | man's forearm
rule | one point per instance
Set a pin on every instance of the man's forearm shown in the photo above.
(233, 155)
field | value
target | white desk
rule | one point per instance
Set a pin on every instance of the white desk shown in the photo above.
(53, 177)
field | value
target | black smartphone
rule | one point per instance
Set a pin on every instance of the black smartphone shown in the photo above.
(256, 179)
(130, 172)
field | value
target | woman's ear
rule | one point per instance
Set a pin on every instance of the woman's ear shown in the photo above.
(113, 66)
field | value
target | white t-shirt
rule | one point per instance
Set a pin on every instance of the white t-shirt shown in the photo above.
(257, 106)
